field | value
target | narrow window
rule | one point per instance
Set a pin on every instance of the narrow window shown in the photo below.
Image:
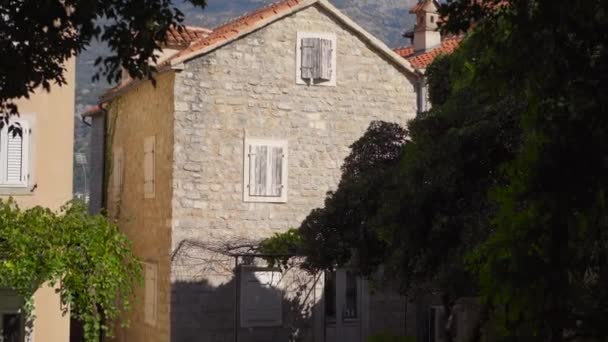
(149, 167)
(330, 295)
(351, 308)
(150, 295)
(117, 170)
(265, 178)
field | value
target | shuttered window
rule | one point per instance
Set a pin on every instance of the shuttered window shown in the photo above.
(117, 170)
(149, 166)
(265, 171)
(316, 59)
(150, 293)
(14, 154)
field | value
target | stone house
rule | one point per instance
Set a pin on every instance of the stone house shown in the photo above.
(241, 137)
(36, 170)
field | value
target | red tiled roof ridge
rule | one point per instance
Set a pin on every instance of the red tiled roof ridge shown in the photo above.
(404, 51)
(197, 28)
(421, 60)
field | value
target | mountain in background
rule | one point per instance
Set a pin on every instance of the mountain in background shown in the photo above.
(386, 19)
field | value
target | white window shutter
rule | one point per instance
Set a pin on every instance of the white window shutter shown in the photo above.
(308, 47)
(14, 151)
(276, 159)
(149, 166)
(118, 170)
(258, 167)
(265, 176)
(325, 57)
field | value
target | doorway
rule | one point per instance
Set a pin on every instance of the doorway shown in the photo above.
(345, 299)
(11, 317)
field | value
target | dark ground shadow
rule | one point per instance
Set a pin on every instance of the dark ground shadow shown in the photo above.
(219, 312)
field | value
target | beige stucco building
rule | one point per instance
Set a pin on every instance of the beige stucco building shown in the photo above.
(36, 170)
(242, 136)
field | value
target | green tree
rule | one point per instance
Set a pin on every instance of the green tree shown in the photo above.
(330, 235)
(38, 37)
(500, 189)
(85, 256)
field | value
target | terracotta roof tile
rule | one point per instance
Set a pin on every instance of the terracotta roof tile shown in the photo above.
(232, 28)
(423, 60)
(184, 35)
(191, 39)
(405, 51)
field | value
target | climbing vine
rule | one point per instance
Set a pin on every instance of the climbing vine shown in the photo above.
(84, 256)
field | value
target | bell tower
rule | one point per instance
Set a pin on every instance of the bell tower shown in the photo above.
(426, 34)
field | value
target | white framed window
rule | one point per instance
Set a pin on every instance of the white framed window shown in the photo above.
(117, 170)
(316, 58)
(150, 293)
(265, 172)
(149, 167)
(14, 154)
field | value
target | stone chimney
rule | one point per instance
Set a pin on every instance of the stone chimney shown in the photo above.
(426, 34)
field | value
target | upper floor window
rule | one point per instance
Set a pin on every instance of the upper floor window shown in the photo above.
(316, 59)
(14, 154)
(265, 177)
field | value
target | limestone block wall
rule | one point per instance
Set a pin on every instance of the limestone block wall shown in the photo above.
(142, 112)
(248, 89)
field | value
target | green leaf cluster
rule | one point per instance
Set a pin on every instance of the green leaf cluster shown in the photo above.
(85, 257)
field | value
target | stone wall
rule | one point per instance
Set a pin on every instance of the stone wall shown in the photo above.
(142, 112)
(248, 88)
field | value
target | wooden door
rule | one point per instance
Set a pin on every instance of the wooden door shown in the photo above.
(345, 296)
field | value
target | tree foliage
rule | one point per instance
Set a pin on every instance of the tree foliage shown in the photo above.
(85, 256)
(38, 37)
(543, 270)
(330, 235)
(500, 189)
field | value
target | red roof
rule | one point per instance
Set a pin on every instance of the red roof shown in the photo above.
(194, 39)
(423, 60)
(184, 35)
(234, 27)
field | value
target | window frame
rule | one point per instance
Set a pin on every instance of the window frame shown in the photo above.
(284, 144)
(118, 169)
(334, 59)
(25, 158)
(149, 193)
